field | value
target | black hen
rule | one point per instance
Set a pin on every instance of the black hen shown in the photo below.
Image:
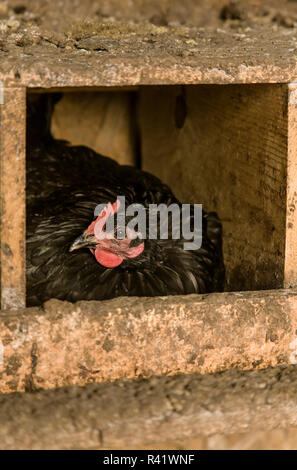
(64, 185)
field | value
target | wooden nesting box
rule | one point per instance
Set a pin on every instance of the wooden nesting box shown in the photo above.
(216, 116)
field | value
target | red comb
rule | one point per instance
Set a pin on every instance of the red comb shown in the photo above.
(97, 225)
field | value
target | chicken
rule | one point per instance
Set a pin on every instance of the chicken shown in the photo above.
(65, 258)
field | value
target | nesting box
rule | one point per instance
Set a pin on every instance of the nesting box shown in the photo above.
(220, 129)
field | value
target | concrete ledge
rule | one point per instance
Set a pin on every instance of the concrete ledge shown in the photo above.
(130, 414)
(121, 55)
(64, 344)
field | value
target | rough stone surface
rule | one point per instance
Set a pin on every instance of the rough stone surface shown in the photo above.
(13, 211)
(157, 44)
(136, 413)
(272, 439)
(64, 344)
(157, 55)
(228, 13)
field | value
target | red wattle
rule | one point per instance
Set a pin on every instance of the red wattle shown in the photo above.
(107, 259)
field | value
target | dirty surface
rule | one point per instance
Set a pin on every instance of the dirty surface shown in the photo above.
(136, 413)
(12, 170)
(63, 344)
(214, 13)
(161, 44)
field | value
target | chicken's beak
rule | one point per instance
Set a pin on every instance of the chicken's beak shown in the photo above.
(83, 241)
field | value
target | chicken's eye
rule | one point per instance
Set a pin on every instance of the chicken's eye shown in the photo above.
(121, 234)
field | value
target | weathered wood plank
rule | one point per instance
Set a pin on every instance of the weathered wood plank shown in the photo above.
(291, 218)
(144, 54)
(103, 121)
(230, 154)
(134, 414)
(13, 211)
(64, 344)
